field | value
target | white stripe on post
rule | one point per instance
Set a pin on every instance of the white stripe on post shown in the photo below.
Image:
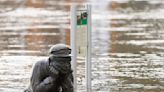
(88, 61)
(73, 44)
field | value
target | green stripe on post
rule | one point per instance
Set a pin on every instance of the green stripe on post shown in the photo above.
(82, 19)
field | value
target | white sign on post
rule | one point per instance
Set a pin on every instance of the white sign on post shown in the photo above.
(81, 32)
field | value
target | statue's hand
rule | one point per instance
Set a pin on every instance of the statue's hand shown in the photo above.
(48, 80)
(54, 72)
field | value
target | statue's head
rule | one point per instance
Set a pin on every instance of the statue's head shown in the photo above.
(60, 58)
(60, 50)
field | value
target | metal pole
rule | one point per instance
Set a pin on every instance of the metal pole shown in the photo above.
(88, 61)
(73, 44)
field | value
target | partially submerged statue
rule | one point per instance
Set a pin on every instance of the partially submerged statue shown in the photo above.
(53, 74)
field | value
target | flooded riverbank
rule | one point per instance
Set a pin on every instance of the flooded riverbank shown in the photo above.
(127, 44)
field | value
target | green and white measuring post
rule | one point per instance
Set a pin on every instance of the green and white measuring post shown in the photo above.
(81, 40)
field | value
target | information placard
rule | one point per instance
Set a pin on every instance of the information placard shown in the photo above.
(81, 33)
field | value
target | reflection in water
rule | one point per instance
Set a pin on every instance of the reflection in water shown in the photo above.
(127, 38)
(100, 37)
(100, 45)
(136, 46)
(32, 30)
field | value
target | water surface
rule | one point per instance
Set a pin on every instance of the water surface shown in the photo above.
(127, 43)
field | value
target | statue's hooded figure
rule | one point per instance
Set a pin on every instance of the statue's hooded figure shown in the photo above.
(53, 74)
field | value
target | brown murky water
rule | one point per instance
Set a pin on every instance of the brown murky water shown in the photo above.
(127, 43)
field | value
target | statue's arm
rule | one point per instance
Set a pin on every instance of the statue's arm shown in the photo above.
(67, 83)
(38, 84)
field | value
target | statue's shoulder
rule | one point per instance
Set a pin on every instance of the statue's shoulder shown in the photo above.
(42, 62)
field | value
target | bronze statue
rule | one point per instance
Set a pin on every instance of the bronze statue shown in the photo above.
(53, 74)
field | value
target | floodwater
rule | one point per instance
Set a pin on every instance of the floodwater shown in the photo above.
(127, 43)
